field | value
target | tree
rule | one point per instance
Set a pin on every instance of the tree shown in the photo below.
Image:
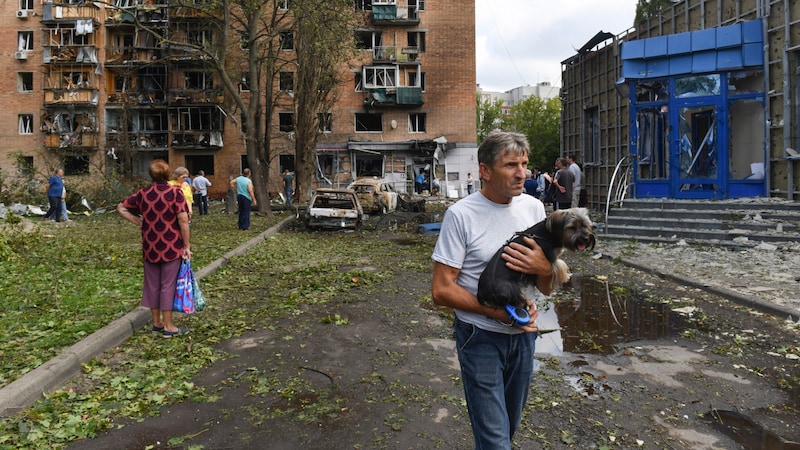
(490, 116)
(539, 120)
(321, 46)
(646, 9)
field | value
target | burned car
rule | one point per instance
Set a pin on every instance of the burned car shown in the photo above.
(334, 208)
(376, 195)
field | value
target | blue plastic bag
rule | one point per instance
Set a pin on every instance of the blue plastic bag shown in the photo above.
(184, 293)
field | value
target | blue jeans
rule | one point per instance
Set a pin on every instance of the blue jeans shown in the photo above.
(244, 211)
(496, 371)
(288, 193)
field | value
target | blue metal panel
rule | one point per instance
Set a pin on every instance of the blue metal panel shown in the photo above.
(679, 43)
(655, 47)
(679, 65)
(729, 59)
(658, 67)
(730, 36)
(753, 54)
(752, 32)
(704, 62)
(634, 69)
(704, 39)
(633, 49)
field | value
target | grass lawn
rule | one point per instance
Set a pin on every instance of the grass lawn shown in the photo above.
(62, 282)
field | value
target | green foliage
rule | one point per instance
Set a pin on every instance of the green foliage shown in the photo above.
(489, 115)
(646, 9)
(540, 121)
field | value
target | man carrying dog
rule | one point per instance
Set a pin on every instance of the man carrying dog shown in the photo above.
(496, 356)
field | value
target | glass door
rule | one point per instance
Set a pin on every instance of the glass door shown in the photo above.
(696, 145)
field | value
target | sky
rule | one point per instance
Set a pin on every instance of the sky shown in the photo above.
(522, 42)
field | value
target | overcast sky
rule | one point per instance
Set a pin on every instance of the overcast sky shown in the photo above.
(522, 42)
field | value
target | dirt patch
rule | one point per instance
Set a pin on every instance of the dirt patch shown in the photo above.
(377, 369)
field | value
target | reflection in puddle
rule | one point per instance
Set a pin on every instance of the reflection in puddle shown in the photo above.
(746, 432)
(601, 316)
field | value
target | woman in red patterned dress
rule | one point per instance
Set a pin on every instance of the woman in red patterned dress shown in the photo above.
(161, 212)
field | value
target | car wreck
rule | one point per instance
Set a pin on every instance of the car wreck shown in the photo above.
(376, 195)
(334, 208)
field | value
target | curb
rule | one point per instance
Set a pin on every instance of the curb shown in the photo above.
(24, 391)
(736, 297)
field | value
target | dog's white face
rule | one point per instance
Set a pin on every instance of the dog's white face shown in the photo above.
(575, 228)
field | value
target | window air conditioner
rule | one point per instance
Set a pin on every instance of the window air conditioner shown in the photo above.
(22, 54)
(23, 13)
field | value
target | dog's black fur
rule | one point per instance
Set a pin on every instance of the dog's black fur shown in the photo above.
(563, 229)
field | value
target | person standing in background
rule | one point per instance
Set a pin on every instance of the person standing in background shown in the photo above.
(160, 212)
(200, 184)
(575, 170)
(55, 189)
(470, 183)
(179, 180)
(288, 186)
(245, 197)
(563, 182)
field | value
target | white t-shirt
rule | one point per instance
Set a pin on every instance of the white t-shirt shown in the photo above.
(474, 228)
(575, 169)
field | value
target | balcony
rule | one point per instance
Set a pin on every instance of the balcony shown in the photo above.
(73, 140)
(397, 96)
(86, 96)
(69, 54)
(395, 14)
(393, 54)
(53, 12)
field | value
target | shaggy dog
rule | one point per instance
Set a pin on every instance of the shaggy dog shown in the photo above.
(500, 286)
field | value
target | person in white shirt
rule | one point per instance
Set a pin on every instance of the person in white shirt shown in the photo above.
(575, 169)
(200, 185)
(495, 352)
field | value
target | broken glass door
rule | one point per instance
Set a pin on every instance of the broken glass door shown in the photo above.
(698, 152)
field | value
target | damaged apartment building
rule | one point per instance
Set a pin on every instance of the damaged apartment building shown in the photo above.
(92, 89)
(697, 102)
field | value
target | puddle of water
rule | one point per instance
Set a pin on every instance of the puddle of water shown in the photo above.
(602, 316)
(746, 432)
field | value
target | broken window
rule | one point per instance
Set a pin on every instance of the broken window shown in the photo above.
(287, 40)
(198, 80)
(380, 77)
(416, 79)
(697, 86)
(325, 122)
(368, 39)
(286, 122)
(416, 40)
(362, 5)
(652, 91)
(652, 127)
(26, 124)
(24, 81)
(369, 122)
(416, 123)
(24, 40)
(359, 82)
(286, 81)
